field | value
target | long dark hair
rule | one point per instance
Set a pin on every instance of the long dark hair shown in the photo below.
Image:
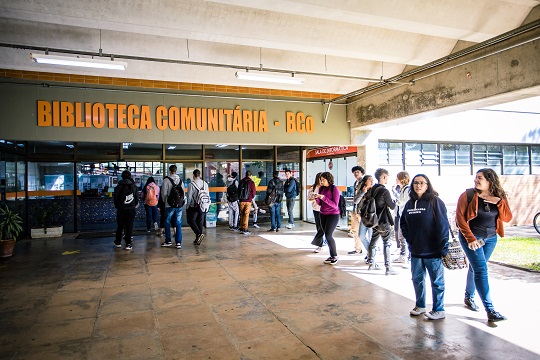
(495, 186)
(317, 180)
(364, 180)
(430, 193)
(148, 181)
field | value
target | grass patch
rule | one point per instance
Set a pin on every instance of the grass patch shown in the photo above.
(520, 251)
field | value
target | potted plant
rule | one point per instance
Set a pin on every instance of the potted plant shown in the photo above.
(10, 228)
(44, 219)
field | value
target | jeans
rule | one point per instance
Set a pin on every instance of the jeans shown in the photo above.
(365, 234)
(151, 216)
(319, 238)
(124, 221)
(402, 243)
(173, 216)
(435, 269)
(275, 215)
(477, 277)
(328, 224)
(386, 232)
(234, 213)
(195, 218)
(290, 208)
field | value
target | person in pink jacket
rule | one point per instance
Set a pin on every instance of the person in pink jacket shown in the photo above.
(328, 200)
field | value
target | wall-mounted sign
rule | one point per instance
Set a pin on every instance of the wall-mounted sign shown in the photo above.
(330, 151)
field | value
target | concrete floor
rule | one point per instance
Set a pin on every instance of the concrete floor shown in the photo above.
(263, 296)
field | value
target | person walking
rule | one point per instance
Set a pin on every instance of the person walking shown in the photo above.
(319, 239)
(384, 204)
(358, 173)
(424, 225)
(275, 190)
(402, 179)
(328, 200)
(173, 214)
(150, 197)
(364, 233)
(480, 214)
(126, 201)
(291, 192)
(232, 201)
(246, 193)
(195, 216)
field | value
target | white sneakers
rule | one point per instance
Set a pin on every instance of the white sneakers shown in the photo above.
(289, 226)
(418, 311)
(432, 315)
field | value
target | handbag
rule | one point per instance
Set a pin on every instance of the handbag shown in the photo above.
(456, 258)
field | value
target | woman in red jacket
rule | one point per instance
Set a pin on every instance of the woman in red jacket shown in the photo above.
(480, 216)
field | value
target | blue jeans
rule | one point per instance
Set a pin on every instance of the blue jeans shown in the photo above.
(151, 216)
(435, 270)
(477, 277)
(385, 231)
(173, 216)
(365, 234)
(275, 215)
(290, 208)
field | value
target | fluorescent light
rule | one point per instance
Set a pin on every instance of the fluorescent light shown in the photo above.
(221, 145)
(259, 76)
(171, 147)
(80, 62)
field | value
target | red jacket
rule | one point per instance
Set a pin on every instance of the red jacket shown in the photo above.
(466, 211)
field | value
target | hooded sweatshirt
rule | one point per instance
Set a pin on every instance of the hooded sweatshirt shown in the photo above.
(426, 228)
(167, 186)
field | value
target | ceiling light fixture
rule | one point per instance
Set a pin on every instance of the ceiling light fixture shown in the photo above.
(259, 76)
(79, 62)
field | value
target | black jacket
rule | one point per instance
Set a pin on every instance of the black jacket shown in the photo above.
(383, 202)
(126, 195)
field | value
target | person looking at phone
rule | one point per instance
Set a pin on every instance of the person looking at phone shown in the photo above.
(480, 220)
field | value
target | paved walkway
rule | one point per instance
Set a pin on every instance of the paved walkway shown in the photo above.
(263, 296)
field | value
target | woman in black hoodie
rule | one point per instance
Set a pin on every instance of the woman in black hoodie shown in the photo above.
(424, 224)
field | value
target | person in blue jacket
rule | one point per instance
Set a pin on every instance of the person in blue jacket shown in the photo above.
(424, 224)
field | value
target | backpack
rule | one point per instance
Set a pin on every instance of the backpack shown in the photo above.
(243, 191)
(126, 197)
(298, 188)
(232, 192)
(368, 209)
(342, 206)
(150, 198)
(271, 196)
(203, 198)
(176, 197)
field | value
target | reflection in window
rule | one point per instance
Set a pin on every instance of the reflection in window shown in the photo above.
(50, 176)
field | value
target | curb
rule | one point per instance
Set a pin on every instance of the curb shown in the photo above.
(515, 267)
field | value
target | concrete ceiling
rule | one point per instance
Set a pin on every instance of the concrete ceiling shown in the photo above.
(366, 39)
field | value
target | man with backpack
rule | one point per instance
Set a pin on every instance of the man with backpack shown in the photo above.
(383, 226)
(291, 189)
(358, 173)
(126, 200)
(172, 194)
(232, 200)
(246, 193)
(274, 197)
(196, 206)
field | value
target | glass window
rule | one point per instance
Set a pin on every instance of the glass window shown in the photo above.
(258, 152)
(487, 155)
(222, 152)
(515, 159)
(535, 159)
(50, 176)
(98, 151)
(59, 149)
(413, 154)
(455, 159)
(183, 152)
(147, 150)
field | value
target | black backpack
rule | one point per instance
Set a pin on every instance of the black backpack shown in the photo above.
(368, 209)
(176, 197)
(243, 191)
(232, 192)
(342, 206)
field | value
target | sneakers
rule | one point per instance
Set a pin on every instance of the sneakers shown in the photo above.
(198, 239)
(373, 265)
(390, 271)
(129, 247)
(271, 230)
(178, 245)
(435, 315)
(148, 230)
(166, 244)
(256, 226)
(232, 228)
(156, 226)
(495, 316)
(246, 232)
(400, 259)
(117, 245)
(318, 249)
(277, 230)
(290, 226)
(331, 260)
(354, 252)
(469, 304)
(417, 311)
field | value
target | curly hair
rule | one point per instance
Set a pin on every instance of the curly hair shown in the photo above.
(329, 177)
(495, 186)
